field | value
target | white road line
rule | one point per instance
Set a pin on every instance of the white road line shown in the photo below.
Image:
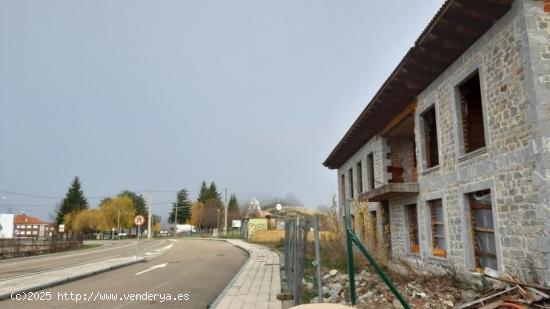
(149, 269)
(48, 257)
(58, 268)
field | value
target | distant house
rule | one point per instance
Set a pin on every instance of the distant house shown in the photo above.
(27, 226)
(450, 160)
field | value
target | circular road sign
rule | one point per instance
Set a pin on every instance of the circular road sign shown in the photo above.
(139, 220)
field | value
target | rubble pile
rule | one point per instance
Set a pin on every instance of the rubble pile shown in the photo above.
(511, 293)
(427, 292)
(372, 292)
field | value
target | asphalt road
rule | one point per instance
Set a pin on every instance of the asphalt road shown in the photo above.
(108, 249)
(195, 271)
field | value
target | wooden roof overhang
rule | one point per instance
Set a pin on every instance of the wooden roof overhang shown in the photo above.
(456, 26)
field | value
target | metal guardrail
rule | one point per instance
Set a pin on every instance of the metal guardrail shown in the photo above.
(20, 246)
(351, 239)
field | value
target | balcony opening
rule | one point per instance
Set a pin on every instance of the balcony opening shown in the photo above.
(402, 152)
(370, 171)
(439, 244)
(483, 230)
(343, 187)
(471, 114)
(412, 223)
(359, 169)
(351, 188)
(431, 152)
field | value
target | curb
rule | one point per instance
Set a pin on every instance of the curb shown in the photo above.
(69, 279)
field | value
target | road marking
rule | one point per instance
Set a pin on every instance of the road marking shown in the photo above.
(10, 262)
(149, 269)
(59, 268)
(62, 255)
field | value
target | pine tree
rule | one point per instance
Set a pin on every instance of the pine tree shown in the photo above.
(139, 202)
(214, 195)
(74, 201)
(204, 193)
(184, 208)
(233, 211)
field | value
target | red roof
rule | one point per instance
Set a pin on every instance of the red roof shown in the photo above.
(24, 219)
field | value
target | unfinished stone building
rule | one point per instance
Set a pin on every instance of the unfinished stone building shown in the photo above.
(452, 155)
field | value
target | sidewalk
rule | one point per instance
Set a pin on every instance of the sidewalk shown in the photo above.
(33, 282)
(258, 282)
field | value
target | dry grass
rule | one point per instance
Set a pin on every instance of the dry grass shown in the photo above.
(276, 235)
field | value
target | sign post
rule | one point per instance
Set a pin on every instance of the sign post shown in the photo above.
(139, 220)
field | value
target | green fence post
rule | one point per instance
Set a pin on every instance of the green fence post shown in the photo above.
(351, 268)
(351, 240)
(380, 272)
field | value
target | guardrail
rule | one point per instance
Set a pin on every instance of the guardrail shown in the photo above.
(23, 246)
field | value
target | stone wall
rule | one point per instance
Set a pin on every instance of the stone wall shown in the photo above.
(513, 61)
(506, 165)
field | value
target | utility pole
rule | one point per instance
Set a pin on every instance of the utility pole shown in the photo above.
(118, 224)
(225, 208)
(150, 215)
(176, 219)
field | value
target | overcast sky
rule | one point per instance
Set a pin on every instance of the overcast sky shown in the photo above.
(164, 94)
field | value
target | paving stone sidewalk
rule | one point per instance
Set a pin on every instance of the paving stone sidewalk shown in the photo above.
(33, 282)
(257, 284)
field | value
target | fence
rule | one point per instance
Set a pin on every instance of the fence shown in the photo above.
(352, 240)
(295, 242)
(18, 247)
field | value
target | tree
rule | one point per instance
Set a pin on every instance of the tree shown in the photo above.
(116, 212)
(74, 201)
(214, 195)
(212, 202)
(184, 208)
(197, 214)
(204, 193)
(210, 214)
(139, 202)
(210, 193)
(233, 211)
(85, 221)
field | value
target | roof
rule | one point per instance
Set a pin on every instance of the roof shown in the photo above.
(457, 25)
(24, 219)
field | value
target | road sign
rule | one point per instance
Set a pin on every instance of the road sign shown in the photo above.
(139, 220)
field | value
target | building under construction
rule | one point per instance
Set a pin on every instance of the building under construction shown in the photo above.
(451, 158)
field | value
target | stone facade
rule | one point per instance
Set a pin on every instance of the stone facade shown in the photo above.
(513, 61)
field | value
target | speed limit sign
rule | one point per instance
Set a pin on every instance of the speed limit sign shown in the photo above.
(139, 220)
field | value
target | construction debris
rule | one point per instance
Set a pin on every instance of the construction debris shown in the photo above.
(515, 294)
(434, 292)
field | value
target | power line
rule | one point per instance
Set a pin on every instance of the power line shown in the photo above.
(31, 195)
(26, 205)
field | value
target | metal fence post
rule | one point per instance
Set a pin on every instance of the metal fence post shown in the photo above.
(351, 240)
(318, 258)
(349, 246)
(296, 280)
